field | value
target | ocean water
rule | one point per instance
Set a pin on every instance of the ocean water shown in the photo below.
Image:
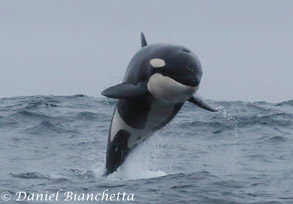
(241, 154)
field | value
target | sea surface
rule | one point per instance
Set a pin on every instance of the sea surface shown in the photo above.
(241, 154)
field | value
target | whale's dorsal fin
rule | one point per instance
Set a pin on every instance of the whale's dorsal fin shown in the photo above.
(143, 40)
(126, 90)
(199, 101)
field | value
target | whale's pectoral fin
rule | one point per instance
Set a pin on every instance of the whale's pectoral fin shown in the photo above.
(126, 91)
(197, 100)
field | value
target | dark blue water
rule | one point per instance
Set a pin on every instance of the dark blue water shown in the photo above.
(242, 154)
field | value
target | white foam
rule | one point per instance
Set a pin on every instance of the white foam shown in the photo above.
(99, 169)
(142, 163)
(135, 174)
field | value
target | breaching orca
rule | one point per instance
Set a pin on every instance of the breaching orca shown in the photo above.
(157, 82)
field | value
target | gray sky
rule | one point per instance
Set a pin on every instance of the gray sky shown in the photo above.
(70, 47)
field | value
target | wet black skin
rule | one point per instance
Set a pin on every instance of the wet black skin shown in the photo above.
(182, 65)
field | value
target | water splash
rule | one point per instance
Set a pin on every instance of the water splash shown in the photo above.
(143, 163)
(235, 154)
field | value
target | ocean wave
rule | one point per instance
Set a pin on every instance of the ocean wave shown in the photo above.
(241, 154)
(47, 127)
(30, 175)
(39, 176)
(285, 103)
(30, 114)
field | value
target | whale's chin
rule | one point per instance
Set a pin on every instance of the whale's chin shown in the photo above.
(167, 90)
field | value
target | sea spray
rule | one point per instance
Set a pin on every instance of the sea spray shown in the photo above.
(228, 116)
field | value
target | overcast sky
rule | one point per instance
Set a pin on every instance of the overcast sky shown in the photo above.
(81, 47)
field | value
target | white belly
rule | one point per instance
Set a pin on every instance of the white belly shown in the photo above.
(158, 113)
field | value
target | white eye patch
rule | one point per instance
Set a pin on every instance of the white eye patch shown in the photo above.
(156, 62)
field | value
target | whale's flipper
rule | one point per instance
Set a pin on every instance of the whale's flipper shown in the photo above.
(197, 100)
(126, 90)
(143, 40)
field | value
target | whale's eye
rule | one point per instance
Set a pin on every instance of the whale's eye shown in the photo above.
(157, 63)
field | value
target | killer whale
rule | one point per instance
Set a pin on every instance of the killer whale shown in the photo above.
(157, 82)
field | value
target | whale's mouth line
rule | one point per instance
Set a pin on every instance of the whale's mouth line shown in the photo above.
(183, 83)
(187, 80)
(194, 85)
